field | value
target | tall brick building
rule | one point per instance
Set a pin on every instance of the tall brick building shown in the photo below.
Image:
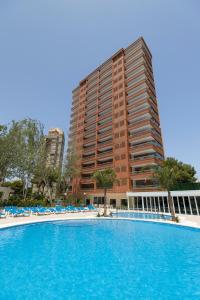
(115, 123)
(55, 141)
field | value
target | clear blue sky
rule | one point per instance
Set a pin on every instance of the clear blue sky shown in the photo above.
(47, 46)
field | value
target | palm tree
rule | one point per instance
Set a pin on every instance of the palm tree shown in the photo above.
(170, 174)
(166, 178)
(105, 179)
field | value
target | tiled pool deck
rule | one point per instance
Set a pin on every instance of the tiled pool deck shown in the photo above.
(185, 220)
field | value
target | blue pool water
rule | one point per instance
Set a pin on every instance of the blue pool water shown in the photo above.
(141, 215)
(99, 259)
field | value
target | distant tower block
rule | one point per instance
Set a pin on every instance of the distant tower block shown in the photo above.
(55, 141)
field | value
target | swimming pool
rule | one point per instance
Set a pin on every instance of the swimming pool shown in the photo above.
(99, 259)
(142, 215)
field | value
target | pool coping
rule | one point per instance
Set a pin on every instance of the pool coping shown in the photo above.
(90, 216)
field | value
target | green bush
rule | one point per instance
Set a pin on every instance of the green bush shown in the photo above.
(24, 203)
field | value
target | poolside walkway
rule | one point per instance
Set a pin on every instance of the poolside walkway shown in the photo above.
(185, 220)
(14, 221)
(190, 220)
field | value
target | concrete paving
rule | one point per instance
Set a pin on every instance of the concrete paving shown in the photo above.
(185, 220)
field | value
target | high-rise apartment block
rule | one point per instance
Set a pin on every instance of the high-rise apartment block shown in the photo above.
(55, 141)
(115, 124)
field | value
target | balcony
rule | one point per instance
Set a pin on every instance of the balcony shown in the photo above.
(89, 145)
(91, 109)
(105, 102)
(105, 125)
(139, 117)
(146, 122)
(134, 99)
(146, 147)
(86, 176)
(103, 89)
(138, 108)
(105, 96)
(105, 81)
(147, 161)
(105, 74)
(139, 113)
(131, 83)
(144, 184)
(88, 165)
(91, 139)
(87, 187)
(107, 133)
(105, 153)
(87, 158)
(88, 149)
(105, 162)
(134, 51)
(135, 68)
(105, 117)
(103, 108)
(142, 175)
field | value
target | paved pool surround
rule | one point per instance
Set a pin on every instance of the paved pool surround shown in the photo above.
(186, 220)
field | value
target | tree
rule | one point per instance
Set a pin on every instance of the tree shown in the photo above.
(71, 169)
(27, 139)
(7, 153)
(169, 174)
(40, 171)
(51, 178)
(105, 179)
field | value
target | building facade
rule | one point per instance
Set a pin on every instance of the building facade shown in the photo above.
(115, 124)
(55, 141)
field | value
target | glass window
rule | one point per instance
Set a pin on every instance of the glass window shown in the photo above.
(176, 205)
(198, 203)
(193, 205)
(161, 204)
(180, 199)
(187, 206)
(149, 203)
(166, 204)
(152, 203)
(140, 203)
(145, 203)
(157, 206)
